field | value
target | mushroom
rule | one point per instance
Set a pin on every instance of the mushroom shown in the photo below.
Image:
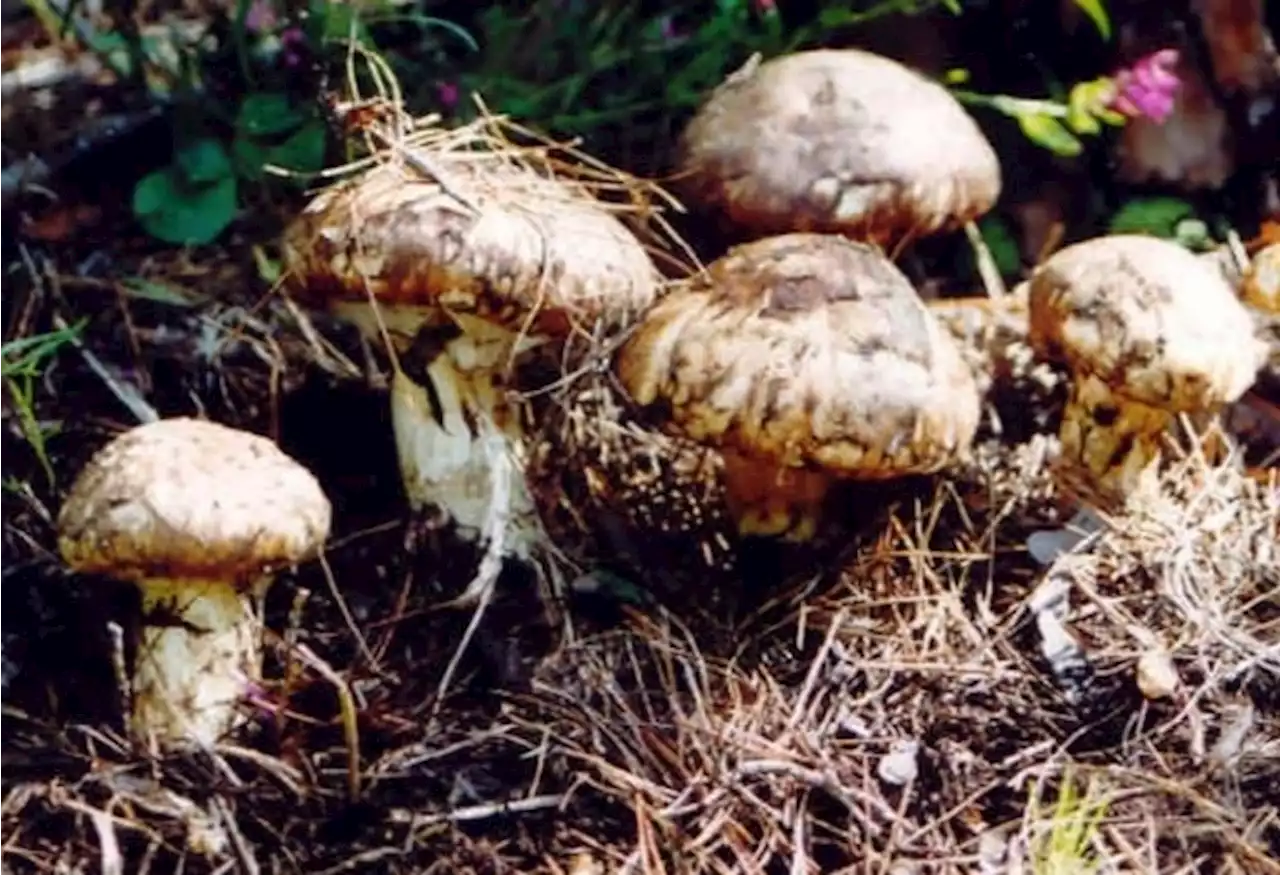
(1148, 332)
(839, 141)
(196, 515)
(613, 491)
(468, 273)
(991, 333)
(803, 359)
(1261, 287)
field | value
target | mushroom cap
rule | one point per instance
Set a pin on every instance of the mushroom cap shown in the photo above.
(805, 350)
(839, 141)
(1147, 317)
(496, 241)
(187, 498)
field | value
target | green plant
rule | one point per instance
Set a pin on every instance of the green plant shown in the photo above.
(1168, 217)
(1066, 847)
(583, 69)
(244, 92)
(193, 198)
(1051, 124)
(24, 362)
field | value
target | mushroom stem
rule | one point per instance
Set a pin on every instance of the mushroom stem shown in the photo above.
(773, 502)
(199, 648)
(442, 434)
(1114, 439)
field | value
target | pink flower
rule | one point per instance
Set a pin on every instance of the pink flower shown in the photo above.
(1147, 89)
(293, 46)
(260, 18)
(447, 94)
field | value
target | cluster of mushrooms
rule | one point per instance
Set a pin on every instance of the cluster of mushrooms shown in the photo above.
(800, 358)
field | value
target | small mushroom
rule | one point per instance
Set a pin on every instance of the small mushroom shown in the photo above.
(468, 273)
(802, 359)
(839, 141)
(196, 515)
(1149, 332)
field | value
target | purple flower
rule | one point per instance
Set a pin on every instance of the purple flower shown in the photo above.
(260, 18)
(1147, 89)
(447, 93)
(293, 44)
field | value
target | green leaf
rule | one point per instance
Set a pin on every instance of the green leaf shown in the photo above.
(1002, 244)
(341, 21)
(1097, 13)
(1049, 133)
(956, 76)
(161, 292)
(304, 151)
(25, 355)
(268, 113)
(1151, 215)
(172, 210)
(1093, 98)
(1080, 116)
(1193, 233)
(269, 269)
(204, 161)
(249, 155)
(153, 191)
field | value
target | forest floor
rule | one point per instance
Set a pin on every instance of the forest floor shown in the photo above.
(903, 711)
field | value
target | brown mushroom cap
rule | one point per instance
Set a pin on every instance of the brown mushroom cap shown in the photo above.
(1148, 318)
(806, 350)
(839, 141)
(532, 247)
(188, 498)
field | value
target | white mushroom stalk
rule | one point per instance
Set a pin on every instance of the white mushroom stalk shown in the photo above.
(196, 515)
(199, 650)
(452, 427)
(463, 277)
(451, 415)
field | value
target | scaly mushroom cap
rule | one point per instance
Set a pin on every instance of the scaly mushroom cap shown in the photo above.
(594, 468)
(187, 498)
(809, 351)
(1149, 319)
(840, 141)
(535, 254)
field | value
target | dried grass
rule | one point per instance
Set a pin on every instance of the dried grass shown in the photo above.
(904, 721)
